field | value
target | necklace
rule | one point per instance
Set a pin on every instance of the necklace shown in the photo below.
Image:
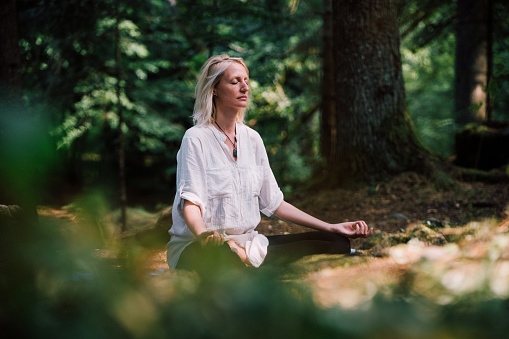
(234, 144)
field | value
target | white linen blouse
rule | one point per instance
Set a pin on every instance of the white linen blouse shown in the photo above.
(230, 193)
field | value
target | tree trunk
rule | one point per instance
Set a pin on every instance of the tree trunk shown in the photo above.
(371, 131)
(471, 61)
(11, 192)
(10, 77)
(18, 194)
(328, 124)
(121, 137)
(16, 148)
(489, 57)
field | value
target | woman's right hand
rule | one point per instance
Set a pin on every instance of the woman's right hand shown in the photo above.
(211, 238)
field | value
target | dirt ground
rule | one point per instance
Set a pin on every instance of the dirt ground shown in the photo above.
(471, 220)
(406, 199)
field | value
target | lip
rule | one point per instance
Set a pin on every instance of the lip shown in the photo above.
(242, 97)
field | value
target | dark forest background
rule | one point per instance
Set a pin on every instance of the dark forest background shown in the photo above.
(100, 82)
(396, 111)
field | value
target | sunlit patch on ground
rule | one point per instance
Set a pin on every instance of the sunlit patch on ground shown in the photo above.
(475, 267)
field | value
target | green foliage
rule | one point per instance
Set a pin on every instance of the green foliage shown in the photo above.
(69, 65)
(63, 281)
(500, 82)
(422, 22)
(162, 46)
(26, 152)
(429, 73)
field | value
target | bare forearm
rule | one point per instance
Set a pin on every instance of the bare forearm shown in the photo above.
(194, 221)
(294, 215)
(350, 229)
(193, 218)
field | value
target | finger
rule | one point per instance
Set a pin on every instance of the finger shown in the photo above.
(217, 239)
(205, 234)
(358, 227)
(207, 240)
(368, 233)
(213, 239)
(365, 227)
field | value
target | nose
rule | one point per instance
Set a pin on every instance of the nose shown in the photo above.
(245, 86)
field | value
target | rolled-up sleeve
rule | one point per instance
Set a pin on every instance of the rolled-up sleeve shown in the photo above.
(191, 182)
(271, 195)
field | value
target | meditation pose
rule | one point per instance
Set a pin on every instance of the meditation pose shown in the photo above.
(224, 181)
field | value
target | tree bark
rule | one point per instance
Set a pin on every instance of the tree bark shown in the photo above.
(371, 131)
(18, 194)
(121, 137)
(16, 172)
(489, 57)
(471, 61)
(328, 124)
(10, 77)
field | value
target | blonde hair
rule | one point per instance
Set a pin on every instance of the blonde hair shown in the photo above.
(211, 72)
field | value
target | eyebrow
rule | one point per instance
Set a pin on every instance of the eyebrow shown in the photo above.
(236, 76)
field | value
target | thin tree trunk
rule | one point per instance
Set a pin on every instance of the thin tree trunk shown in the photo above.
(471, 61)
(121, 141)
(17, 184)
(328, 123)
(10, 77)
(489, 57)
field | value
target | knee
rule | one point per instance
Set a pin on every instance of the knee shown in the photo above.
(339, 244)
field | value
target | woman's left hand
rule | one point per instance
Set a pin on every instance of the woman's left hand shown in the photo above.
(353, 229)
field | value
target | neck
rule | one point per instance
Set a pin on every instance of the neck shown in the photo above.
(227, 123)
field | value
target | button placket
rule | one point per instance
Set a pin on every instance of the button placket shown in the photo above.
(239, 191)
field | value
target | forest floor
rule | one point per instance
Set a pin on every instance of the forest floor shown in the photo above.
(440, 241)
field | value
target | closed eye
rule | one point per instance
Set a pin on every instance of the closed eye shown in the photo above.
(236, 81)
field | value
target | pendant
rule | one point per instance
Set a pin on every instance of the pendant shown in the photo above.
(234, 152)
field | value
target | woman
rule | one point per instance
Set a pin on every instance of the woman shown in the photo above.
(224, 180)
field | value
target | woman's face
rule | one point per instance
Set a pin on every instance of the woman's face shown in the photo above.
(232, 90)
